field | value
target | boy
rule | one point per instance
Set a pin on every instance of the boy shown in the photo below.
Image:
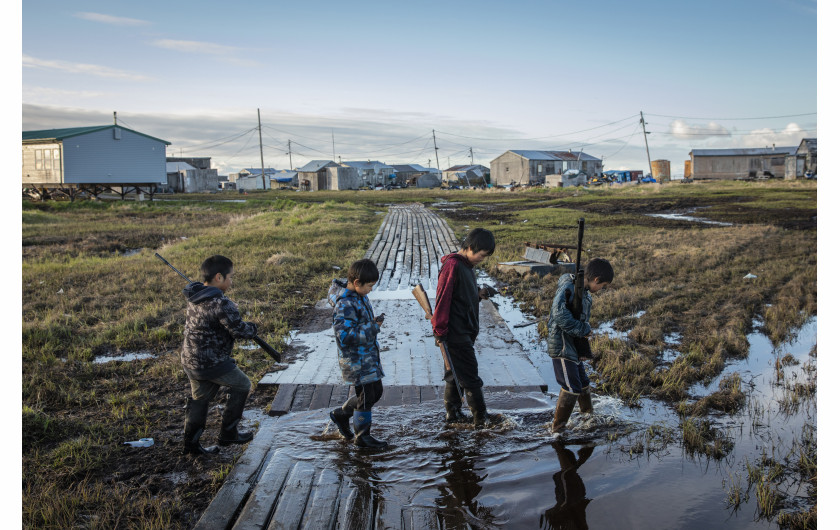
(455, 322)
(562, 330)
(213, 322)
(358, 351)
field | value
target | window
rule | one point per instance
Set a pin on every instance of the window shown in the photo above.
(47, 160)
(539, 168)
(39, 163)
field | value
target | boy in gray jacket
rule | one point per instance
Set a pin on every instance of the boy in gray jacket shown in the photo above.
(563, 328)
(213, 323)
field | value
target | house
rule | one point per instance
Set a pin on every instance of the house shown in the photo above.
(407, 174)
(284, 178)
(180, 176)
(203, 177)
(93, 159)
(252, 178)
(327, 175)
(471, 175)
(803, 163)
(373, 173)
(428, 180)
(531, 167)
(737, 164)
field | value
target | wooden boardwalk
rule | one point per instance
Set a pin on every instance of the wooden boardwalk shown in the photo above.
(271, 486)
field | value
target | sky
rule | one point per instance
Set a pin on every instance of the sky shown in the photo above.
(373, 80)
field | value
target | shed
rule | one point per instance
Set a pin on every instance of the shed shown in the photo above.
(739, 164)
(531, 167)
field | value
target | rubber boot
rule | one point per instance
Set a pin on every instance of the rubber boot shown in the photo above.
(565, 405)
(194, 423)
(475, 400)
(452, 402)
(585, 400)
(341, 418)
(229, 434)
(361, 425)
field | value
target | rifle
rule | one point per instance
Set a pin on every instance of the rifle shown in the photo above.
(576, 307)
(274, 354)
(420, 294)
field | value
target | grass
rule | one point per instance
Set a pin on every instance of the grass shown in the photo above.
(84, 296)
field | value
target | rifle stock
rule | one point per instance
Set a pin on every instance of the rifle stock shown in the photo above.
(423, 299)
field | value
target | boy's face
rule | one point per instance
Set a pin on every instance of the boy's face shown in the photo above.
(475, 257)
(596, 285)
(363, 288)
(222, 282)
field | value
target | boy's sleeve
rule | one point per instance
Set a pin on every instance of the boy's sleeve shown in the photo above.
(348, 330)
(562, 318)
(232, 321)
(443, 298)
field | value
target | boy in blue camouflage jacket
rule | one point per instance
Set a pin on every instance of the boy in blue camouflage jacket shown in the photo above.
(358, 351)
(213, 323)
(563, 328)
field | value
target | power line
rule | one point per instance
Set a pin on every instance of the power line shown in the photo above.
(540, 137)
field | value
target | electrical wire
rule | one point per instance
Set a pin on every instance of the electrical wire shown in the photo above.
(539, 137)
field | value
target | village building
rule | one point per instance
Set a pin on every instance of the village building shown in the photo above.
(251, 178)
(373, 173)
(739, 164)
(191, 175)
(327, 175)
(407, 174)
(285, 178)
(804, 162)
(428, 180)
(524, 167)
(469, 175)
(92, 159)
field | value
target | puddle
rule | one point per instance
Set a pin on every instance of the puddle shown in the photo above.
(131, 356)
(131, 252)
(685, 217)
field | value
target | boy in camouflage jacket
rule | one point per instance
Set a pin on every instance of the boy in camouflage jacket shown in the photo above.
(213, 323)
(355, 330)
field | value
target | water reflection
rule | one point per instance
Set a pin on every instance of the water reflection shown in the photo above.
(569, 491)
(457, 501)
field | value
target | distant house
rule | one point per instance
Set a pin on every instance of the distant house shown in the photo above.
(473, 175)
(252, 178)
(407, 174)
(737, 164)
(373, 173)
(804, 162)
(327, 175)
(531, 167)
(284, 177)
(202, 178)
(93, 158)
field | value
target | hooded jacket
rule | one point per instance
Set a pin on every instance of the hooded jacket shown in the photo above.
(213, 323)
(456, 301)
(355, 335)
(562, 326)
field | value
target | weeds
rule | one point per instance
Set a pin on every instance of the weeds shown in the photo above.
(701, 438)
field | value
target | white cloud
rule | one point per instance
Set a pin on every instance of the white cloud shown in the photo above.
(219, 51)
(81, 68)
(681, 129)
(110, 19)
(791, 135)
(45, 93)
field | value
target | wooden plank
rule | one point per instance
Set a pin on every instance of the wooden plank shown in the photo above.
(357, 511)
(340, 395)
(261, 501)
(323, 502)
(388, 513)
(321, 397)
(303, 397)
(219, 514)
(430, 393)
(282, 400)
(292, 501)
(420, 518)
(411, 395)
(391, 396)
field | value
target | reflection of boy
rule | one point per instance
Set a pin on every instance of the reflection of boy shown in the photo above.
(358, 351)
(569, 491)
(455, 321)
(563, 328)
(213, 322)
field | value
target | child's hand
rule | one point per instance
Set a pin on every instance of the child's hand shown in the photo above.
(380, 319)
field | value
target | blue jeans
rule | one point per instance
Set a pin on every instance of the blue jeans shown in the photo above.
(235, 379)
(571, 375)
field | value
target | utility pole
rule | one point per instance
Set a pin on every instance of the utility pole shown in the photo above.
(650, 167)
(472, 163)
(262, 164)
(436, 155)
(290, 155)
(115, 117)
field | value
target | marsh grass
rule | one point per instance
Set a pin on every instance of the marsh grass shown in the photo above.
(700, 437)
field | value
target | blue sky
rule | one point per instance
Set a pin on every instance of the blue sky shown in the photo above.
(379, 76)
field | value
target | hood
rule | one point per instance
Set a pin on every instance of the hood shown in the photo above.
(336, 291)
(458, 257)
(198, 292)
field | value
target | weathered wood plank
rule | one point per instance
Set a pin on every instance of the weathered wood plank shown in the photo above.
(321, 397)
(282, 400)
(357, 511)
(391, 396)
(411, 395)
(322, 511)
(292, 501)
(303, 397)
(420, 518)
(340, 395)
(388, 513)
(219, 514)
(258, 508)
(430, 393)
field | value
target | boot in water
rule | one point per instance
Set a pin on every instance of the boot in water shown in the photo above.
(361, 425)
(342, 421)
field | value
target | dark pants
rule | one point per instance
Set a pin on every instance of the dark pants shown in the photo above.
(465, 365)
(571, 375)
(366, 396)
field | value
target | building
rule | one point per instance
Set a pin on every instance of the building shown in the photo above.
(202, 178)
(428, 180)
(407, 174)
(251, 178)
(373, 173)
(738, 164)
(327, 175)
(804, 162)
(93, 159)
(531, 167)
(284, 178)
(470, 175)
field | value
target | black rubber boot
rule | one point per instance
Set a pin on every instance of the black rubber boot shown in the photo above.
(361, 425)
(565, 405)
(342, 421)
(229, 434)
(194, 423)
(475, 400)
(452, 402)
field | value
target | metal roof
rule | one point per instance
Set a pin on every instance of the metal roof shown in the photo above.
(476, 167)
(258, 171)
(555, 155)
(61, 134)
(174, 167)
(366, 164)
(315, 166)
(747, 151)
